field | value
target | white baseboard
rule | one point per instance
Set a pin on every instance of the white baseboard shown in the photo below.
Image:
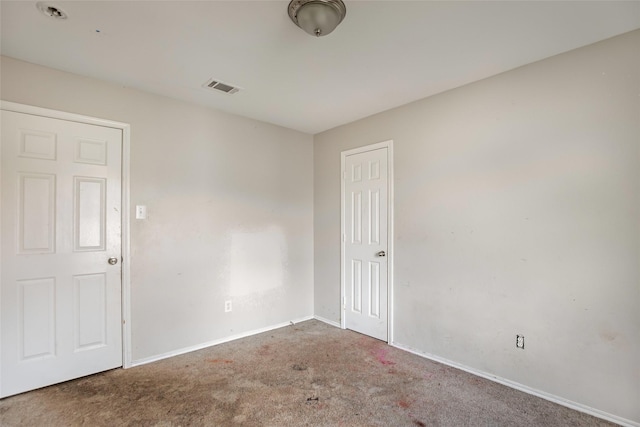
(184, 350)
(327, 321)
(547, 396)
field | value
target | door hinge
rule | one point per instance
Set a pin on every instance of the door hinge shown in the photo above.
(344, 175)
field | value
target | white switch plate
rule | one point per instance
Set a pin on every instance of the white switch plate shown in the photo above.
(141, 212)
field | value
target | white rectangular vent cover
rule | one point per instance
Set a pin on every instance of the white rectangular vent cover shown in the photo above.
(216, 84)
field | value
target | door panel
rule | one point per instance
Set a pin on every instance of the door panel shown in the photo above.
(89, 216)
(60, 300)
(366, 211)
(36, 303)
(36, 216)
(90, 311)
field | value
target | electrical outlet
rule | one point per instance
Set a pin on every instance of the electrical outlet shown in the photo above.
(520, 341)
(141, 212)
(227, 306)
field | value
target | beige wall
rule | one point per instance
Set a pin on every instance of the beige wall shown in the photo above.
(229, 210)
(517, 211)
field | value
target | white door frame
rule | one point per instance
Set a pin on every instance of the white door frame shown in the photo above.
(343, 239)
(125, 239)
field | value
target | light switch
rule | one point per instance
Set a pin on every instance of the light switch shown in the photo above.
(141, 212)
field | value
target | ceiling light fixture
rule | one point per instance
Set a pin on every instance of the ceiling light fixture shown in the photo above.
(51, 11)
(317, 17)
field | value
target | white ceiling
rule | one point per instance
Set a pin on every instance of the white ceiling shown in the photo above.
(384, 54)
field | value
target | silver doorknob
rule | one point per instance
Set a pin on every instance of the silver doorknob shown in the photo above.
(113, 260)
(381, 253)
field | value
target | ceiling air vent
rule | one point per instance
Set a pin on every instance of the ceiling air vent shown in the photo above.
(220, 86)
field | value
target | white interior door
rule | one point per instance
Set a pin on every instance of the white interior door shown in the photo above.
(61, 225)
(365, 264)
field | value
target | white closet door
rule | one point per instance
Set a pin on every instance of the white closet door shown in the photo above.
(61, 224)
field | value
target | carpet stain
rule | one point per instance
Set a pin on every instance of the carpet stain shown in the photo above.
(381, 355)
(419, 423)
(404, 404)
(265, 350)
(226, 361)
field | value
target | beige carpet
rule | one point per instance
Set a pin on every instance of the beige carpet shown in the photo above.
(309, 374)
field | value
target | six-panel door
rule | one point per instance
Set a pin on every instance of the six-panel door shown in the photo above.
(61, 222)
(365, 264)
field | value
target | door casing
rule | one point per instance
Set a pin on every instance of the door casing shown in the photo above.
(390, 252)
(125, 217)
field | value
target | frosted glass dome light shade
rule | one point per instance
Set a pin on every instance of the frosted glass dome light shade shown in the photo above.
(317, 17)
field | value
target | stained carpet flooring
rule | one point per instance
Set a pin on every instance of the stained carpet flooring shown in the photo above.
(309, 374)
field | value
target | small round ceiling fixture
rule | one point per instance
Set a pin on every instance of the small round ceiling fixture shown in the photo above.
(51, 10)
(317, 17)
